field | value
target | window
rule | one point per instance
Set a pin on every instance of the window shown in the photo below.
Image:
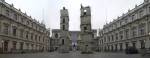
(63, 20)
(63, 27)
(116, 36)
(35, 37)
(134, 44)
(142, 44)
(112, 37)
(39, 38)
(21, 45)
(43, 39)
(27, 33)
(121, 35)
(85, 28)
(134, 32)
(7, 12)
(63, 41)
(21, 33)
(133, 17)
(108, 38)
(127, 45)
(6, 28)
(56, 35)
(141, 13)
(120, 23)
(127, 33)
(22, 20)
(14, 30)
(15, 16)
(31, 36)
(126, 20)
(121, 47)
(104, 39)
(142, 29)
(14, 45)
(27, 22)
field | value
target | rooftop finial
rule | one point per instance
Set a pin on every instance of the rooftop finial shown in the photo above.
(81, 6)
(63, 8)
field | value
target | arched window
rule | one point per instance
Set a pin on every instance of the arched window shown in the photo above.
(56, 35)
(63, 20)
(63, 41)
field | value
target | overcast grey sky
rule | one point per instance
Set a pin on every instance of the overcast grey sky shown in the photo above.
(102, 10)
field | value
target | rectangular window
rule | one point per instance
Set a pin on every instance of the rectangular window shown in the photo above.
(39, 38)
(142, 42)
(6, 28)
(21, 45)
(14, 45)
(27, 33)
(121, 35)
(21, 33)
(31, 36)
(134, 31)
(35, 37)
(27, 22)
(112, 37)
(14, 30)
(22, 20)
(134, 44)
(104, 39)
(133, 17)
(142, 29)
(63, 27)
(127, 33)
(116, 36)
(7, 12)
(141, 13)
(15, 16)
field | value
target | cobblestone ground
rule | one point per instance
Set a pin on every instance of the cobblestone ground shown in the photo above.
(73, 55)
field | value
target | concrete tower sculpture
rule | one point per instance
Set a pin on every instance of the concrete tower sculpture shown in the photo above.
(64, 31)
(86, 33)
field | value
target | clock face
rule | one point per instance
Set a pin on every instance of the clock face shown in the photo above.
(85, 10)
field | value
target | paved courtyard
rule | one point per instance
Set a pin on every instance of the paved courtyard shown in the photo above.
(72, 55)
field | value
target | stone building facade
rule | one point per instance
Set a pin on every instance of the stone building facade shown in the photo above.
(64, 31)
(55, 39)
(19, 32)
(86, 34)
(131, 29)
